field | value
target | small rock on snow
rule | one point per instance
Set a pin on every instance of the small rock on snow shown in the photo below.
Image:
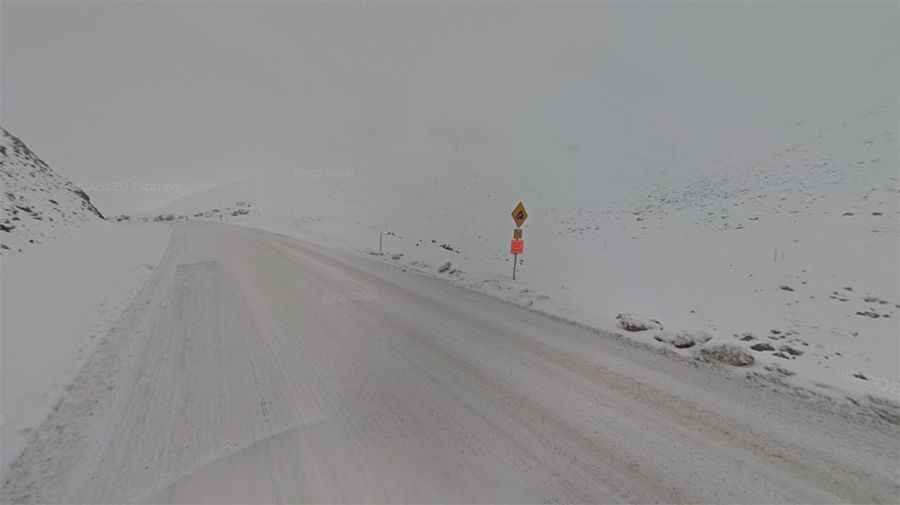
(681, 339)
(727, 353)
(791, 350)
(780, 370)
(633, 322)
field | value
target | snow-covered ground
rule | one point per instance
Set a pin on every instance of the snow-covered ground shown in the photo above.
(797, 247)
(65, 277)
(59, 300)
(259, 369)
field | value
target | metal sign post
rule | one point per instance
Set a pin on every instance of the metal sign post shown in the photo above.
(517, 246)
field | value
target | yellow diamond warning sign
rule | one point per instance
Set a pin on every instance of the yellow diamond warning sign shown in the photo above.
(519, 215)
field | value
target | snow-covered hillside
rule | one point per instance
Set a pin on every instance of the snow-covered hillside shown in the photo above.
(36, 203)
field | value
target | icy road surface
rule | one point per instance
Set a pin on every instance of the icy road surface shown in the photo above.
(253, 368)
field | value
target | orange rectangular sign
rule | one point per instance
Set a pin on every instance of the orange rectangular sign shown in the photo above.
(517, 246)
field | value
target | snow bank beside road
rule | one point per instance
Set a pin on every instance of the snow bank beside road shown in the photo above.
(58, 300)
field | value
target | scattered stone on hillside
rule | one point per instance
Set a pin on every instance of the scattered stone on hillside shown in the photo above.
(884, 402)
(701, 336)
(445, 267)
(681, 339)
(633, 322)
(791, 350)
(875, 299)
(762, 346)
(887, 410)
(746, 336)
(729, 354)
(869, 313)
(780, 370)
(891, 416)
(839, 297)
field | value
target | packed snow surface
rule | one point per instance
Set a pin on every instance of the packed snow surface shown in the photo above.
(256, 368)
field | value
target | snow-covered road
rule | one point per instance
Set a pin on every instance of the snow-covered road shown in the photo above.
(254, 368)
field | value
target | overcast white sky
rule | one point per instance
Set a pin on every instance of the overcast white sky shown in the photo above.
(573, 97)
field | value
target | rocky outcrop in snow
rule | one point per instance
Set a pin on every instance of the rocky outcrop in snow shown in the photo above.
(36, 203)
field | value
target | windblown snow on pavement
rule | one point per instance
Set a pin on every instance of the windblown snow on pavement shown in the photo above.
(254, 368)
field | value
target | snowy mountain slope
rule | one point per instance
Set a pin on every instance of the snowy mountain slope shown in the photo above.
(36, 202)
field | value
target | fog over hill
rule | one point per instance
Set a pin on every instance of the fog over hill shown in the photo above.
(589, 102)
